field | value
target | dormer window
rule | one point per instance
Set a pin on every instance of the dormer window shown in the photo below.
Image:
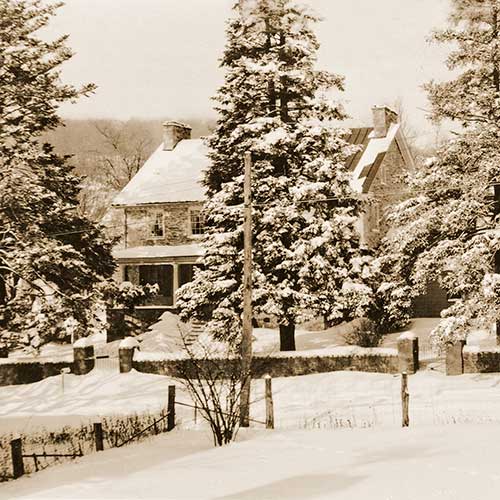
(157, 225)
(196, 222)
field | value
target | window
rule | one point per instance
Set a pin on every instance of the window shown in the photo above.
(157, 225)
(196, 222)
(163, 276)
(375, 216)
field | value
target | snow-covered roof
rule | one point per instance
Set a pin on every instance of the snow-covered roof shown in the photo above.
(168, 176)
(370, 158)
(175, 176)
(159, 252)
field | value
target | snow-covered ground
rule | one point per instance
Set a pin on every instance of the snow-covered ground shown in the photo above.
(430, 462)
(326, 400)
(165, 337)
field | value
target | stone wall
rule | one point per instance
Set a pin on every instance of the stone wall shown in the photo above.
(461, 358)
(280, 365)
(177, 229)
(27, 372)
(481, 361)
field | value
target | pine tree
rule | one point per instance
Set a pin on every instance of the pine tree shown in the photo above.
(53, 262)
(446, 230)
(275, 104)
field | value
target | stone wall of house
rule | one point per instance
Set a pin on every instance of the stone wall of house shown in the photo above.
(388, 189)
(177, 229)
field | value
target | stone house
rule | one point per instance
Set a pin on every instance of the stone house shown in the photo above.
(160, 207)
(378, 170)
(161, 216)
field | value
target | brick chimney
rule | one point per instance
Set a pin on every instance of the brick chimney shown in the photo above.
(382, 118)
(173, 132)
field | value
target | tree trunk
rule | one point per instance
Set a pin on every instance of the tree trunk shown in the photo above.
(287, 337)
(496, 75)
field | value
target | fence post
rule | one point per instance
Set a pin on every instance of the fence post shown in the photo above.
(454, 358)
(126, 353)
(269, 403)
(83, 356)
(16, 448)
(408, 352)
(171, 408)
(98, 436)
(405, 400)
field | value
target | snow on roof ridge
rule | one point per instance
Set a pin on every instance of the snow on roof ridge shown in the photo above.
(159, 251)
(178, 123)
(376, 145)
(168, 176)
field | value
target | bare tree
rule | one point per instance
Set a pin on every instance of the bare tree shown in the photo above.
(127, 145)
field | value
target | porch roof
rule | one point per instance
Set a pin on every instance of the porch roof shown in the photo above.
(159, 252)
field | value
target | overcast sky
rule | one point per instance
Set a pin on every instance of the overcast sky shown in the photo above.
(159, 58)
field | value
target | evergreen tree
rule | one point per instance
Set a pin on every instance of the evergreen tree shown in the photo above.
(446, 230)
(53, 262)
(275, 104)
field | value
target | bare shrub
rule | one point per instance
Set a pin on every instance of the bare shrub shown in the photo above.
(213, 379)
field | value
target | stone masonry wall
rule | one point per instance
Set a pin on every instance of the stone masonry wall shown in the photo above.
(387, 188)
(15, 373)
(276, 366)
(176, 224)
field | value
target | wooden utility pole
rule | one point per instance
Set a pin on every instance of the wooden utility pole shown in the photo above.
(246, 340)
(496, 212)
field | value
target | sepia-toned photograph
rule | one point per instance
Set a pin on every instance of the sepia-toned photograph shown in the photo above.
(249, 249)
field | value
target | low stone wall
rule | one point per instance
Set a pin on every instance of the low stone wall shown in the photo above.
(26, 372)
(277, 365)
(461, 358)
(481, 361)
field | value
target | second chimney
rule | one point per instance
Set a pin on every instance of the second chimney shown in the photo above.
(382, 119)
(174, 132)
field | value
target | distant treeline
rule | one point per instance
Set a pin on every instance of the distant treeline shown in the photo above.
(107, 153)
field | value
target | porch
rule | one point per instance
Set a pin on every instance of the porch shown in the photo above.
(169, 267)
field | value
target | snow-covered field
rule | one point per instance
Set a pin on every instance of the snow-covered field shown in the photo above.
(430, 462)
(326, 400)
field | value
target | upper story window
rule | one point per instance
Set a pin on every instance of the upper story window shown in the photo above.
(157, 225)
(196, 222)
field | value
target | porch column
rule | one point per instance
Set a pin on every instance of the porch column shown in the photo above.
(176, 278)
